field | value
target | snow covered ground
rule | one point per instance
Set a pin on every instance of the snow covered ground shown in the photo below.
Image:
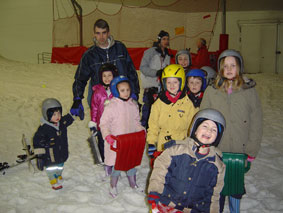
(22, 89)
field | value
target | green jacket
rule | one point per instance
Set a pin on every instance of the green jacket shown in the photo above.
(243, 115)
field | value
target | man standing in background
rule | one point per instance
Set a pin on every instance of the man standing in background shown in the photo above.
(104, 50)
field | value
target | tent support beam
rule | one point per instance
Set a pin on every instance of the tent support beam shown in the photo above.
(223, 16)
(79, 15)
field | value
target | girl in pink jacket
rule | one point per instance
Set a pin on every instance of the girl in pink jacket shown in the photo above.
(120, 116)
(100, 97)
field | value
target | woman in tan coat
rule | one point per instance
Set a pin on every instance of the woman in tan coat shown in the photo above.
(236, 98)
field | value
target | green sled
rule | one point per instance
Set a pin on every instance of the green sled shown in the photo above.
(236, 167)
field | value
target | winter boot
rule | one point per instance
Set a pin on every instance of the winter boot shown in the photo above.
(60, 180)
(55, 185)
(108, 172)
(133, 183)
(113, 186)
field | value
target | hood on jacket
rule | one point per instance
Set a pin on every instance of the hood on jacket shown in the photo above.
(43, 121)
(111, 38)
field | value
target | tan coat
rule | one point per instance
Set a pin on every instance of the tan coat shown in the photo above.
(243, 115)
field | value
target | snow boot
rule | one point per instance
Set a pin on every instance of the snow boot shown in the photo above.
(60, 180)
(108, 172)
(133, 183)
(55, 185)
(113, 186)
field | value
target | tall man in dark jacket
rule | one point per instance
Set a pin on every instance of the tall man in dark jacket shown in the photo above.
(104, 50)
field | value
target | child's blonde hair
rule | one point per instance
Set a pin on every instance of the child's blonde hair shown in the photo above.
(223, 84)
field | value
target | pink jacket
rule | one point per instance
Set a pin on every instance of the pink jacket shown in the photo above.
(119, 117)
(98, 99)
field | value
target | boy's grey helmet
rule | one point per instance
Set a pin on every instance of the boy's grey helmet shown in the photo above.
(50, 103)
(234, 53)
(186, 52)
(213, 115)
(210, 74)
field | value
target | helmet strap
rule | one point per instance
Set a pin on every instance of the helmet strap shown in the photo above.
(123, 99)
(106, 86)
(200, 144)
(222, 79)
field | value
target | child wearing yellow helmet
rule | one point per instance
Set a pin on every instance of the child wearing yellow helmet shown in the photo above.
(172, 112)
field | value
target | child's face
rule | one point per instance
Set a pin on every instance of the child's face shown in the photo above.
(230, 67)
(183, 60)
(56, 117)
(124, 90)
(206, 132)
(172, 85)
(194, 84)
(107, 77)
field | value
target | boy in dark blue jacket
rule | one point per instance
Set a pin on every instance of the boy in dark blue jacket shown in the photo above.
(50, 141)
(189, 175)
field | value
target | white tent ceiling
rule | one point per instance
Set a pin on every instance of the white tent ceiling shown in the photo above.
(202, 5)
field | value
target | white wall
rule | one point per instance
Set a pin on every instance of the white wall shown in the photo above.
(258, 62)
(232, 27)
(26, 28)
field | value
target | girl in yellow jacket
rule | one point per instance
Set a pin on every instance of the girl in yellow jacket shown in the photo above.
(172, 112)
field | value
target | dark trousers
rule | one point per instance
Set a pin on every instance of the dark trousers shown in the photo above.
(149, 96)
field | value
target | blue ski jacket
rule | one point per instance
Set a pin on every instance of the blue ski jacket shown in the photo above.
(53, 141)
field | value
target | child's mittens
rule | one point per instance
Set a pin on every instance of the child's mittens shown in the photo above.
(153, 197)
(250, 158)
(154, 208)
(110, 139)
(92, 126)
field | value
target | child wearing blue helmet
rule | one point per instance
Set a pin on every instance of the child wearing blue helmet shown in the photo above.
(120, 116)
(196, 84)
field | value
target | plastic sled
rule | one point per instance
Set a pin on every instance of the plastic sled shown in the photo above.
(95, 150)
(129, 149)
(236, 167)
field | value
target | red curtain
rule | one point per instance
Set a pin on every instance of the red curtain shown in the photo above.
(72, 55)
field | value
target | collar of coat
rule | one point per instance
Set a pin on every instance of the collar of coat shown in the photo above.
(248, 83)
(111, 38)
(43, 121)
(163, 54)
(162, 96)
(192, 146)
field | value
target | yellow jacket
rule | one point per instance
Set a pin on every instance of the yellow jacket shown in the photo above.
(169, 121)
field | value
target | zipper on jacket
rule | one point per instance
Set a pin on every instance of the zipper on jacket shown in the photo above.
(107, 56)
